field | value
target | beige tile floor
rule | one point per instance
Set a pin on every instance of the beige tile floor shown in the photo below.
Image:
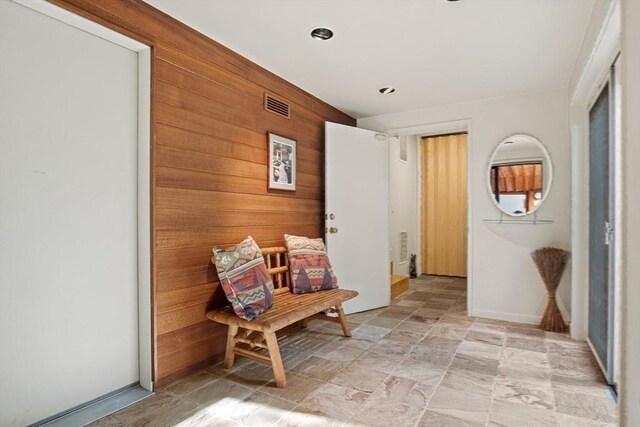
(419, 362)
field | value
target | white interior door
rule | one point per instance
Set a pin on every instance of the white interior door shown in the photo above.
(68, 217)
(357, 209)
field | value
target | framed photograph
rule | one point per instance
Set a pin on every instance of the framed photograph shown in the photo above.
(282, 163)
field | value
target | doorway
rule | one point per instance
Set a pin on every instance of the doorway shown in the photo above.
(75, 306)
(602, 312)
(443, 205)
(406, 189)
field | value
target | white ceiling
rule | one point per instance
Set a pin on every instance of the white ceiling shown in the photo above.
(433, 52)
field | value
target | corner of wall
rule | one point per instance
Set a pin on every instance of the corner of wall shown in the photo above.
(630, 333)
(566, 315)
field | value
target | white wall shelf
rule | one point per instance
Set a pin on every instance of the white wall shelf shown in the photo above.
(510, 220)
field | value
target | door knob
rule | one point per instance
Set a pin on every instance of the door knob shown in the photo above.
(333, 230)
(332, 216)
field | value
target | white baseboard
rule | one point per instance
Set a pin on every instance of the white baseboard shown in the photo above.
(509, 317)
(521, 318)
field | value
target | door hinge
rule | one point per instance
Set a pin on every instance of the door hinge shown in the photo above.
(608, 233)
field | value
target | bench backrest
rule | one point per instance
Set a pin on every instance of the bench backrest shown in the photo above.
(278, 266)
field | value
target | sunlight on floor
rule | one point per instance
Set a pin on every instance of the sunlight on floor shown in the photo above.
(421, 362)
(251, 413)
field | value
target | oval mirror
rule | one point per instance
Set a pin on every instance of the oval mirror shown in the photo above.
(519, 175)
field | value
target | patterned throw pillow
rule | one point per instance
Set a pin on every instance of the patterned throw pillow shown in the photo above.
(244, 278)
(309, 265)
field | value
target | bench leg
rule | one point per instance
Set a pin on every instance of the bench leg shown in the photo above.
(276, 359)
(229, 355)
(304, 322)
(343, 321)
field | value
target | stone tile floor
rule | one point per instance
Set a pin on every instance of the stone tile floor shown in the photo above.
(419, 362)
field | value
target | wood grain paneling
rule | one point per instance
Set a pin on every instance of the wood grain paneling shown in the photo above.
(209, 167)
(189, 346)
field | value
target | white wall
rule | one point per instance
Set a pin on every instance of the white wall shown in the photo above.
(403, 179)
(601, 9)
(630, 387)
(505, 282)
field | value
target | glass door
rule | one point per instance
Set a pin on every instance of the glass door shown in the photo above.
(601, 328)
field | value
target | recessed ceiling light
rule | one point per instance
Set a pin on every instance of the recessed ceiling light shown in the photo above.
(321, 33)
(453, 1)
(386, 90)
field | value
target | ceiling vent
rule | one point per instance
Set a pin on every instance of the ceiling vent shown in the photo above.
(276, 106)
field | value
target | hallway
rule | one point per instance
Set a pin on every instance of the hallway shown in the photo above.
(420, 362)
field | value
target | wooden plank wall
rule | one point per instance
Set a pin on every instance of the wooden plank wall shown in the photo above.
(209, 167)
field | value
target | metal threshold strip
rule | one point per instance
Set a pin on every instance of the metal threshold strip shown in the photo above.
(95, 409)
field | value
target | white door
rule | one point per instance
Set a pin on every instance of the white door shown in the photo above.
(357, 209)
(68, 216)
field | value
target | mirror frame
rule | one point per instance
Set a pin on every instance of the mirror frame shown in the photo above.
(546, 189)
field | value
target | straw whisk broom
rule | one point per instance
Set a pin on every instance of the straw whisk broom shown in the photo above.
(551, 263)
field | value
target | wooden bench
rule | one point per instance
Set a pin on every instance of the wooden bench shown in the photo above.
(288, 308)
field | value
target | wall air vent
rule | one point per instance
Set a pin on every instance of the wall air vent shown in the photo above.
(276, 106)
(404, 244)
